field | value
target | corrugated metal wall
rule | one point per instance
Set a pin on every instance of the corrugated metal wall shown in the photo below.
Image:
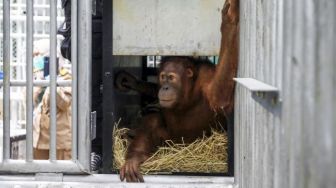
(292, 46)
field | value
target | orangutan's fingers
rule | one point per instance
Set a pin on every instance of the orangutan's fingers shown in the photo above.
(122, 173)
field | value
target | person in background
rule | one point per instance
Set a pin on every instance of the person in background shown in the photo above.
(41, 50)
(41, 128)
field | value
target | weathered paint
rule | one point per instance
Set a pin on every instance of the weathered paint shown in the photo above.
(160, 27)
(290, 45)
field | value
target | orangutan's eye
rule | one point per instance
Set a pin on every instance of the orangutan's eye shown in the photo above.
(163, 77)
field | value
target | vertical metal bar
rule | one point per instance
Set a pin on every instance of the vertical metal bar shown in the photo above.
(84, 81)
(6, 97)
(74, 77)
(108, 91)
(29, 89)
(52, 66)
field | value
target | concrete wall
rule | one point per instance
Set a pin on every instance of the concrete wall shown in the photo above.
(290, 143)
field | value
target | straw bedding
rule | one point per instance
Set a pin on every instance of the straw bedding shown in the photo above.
(205, 155)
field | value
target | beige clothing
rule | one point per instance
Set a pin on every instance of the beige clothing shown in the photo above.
(41, 129)
(43, 154)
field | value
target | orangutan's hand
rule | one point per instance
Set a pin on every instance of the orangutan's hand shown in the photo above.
(131, 171)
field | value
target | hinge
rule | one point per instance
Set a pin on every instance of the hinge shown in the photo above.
(93, 124)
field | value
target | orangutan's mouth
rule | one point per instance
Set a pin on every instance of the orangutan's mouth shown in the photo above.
(166, 100)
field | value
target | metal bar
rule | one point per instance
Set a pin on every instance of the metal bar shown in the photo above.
(23, 35)
(53, 52)
(110, 180)
(255, 85)
(29, 89)
(84, 80)
(36, 6)
(44, 83)
(36, 18)
(155, 61)
(40, 166)
(108, 91)
(74, 78)
(40, 83)
(6, 67)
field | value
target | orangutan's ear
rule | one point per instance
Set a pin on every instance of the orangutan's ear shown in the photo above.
(189, 72)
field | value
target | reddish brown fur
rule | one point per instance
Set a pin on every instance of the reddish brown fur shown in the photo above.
(220, 92)
(197, 99)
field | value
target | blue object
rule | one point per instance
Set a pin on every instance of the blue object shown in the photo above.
(39, 63)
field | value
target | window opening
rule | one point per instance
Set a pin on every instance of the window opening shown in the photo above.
(148, 73)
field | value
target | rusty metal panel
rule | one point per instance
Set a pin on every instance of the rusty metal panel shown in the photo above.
(166, 27)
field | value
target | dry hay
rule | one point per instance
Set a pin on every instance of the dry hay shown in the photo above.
(206, 155)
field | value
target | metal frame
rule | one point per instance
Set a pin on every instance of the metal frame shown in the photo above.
(84, 80)
(81, 80)
(6, 67)
(108, 91)
(29, 78)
